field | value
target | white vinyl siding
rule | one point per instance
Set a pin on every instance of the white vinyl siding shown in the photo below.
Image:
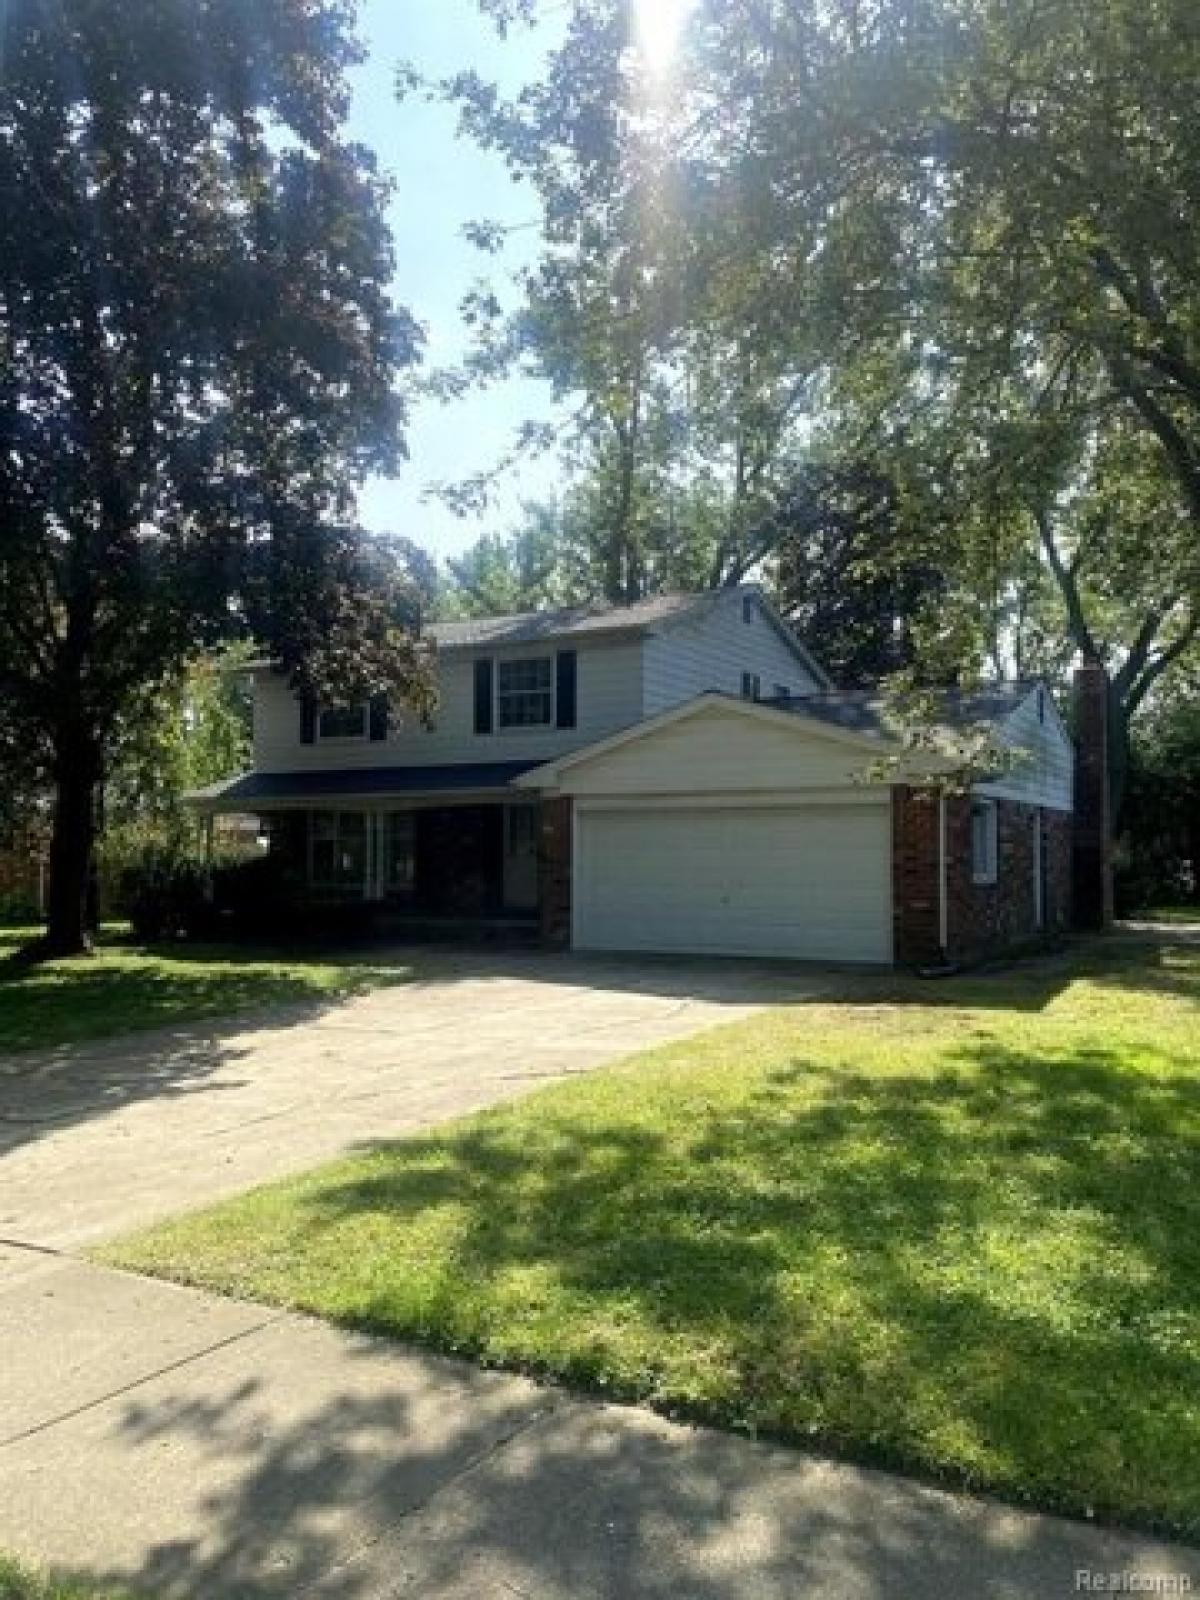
(714, 649)
(724, 749)
(609, 699)
(1046, 776)
(810, 881)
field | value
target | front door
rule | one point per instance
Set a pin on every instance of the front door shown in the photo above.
(520, 858)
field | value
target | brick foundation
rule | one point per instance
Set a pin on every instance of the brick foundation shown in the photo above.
(554, 873)
(981, 919)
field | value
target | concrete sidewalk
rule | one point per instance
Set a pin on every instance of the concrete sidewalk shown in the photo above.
(192, 1446)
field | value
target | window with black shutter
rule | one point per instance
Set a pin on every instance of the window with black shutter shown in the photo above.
(483, 695)
(566, 674)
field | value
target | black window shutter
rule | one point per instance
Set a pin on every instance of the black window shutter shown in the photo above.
(379, 718)
(483, 695)
(565, 697)
(308, 718)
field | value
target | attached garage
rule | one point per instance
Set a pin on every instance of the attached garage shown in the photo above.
(726, 828)
(810, 881)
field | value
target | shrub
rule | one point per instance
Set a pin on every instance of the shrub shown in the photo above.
(164, 892)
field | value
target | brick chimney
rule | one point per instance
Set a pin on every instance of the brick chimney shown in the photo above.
(1092, 877)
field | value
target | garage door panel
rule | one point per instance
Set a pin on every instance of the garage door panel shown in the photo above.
(809, 882)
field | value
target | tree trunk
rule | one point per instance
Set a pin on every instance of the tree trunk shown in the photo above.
(72, 848)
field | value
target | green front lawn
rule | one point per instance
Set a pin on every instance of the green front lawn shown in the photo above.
(20, 1582)
(952, 1227)
(126, 988)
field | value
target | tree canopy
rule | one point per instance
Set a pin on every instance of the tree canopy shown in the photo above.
(199, 360)
(949, 242)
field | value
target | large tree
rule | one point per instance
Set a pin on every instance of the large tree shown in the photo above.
(957, 237)
(198, 361)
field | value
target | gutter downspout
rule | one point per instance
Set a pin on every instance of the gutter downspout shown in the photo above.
(943, 898)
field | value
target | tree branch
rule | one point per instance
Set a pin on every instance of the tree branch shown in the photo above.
(1065, 577)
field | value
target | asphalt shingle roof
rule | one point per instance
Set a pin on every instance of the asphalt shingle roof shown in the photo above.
(867, 711)
(363, 781)
(530, 627)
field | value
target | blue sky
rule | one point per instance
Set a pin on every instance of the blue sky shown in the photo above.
(444, 182)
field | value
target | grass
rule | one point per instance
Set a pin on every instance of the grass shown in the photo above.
(1179, 916)
(20, 1582)
(127, 988)
(953, 1229)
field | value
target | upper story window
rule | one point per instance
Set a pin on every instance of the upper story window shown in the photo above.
(525, 693)
(984, 841)
(749, 608)
(343, 722)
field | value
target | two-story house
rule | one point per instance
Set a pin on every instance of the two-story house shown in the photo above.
(677, 775)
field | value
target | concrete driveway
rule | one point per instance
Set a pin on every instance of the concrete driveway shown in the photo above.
(98, 1140)
(201, 1449)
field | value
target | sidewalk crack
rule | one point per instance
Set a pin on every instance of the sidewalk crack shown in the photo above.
(472, 1464)
(138, 1383)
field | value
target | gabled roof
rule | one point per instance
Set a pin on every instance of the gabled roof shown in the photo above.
(863, 720)
(652, 615)
(566, 622)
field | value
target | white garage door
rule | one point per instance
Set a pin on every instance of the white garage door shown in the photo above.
(811, 882)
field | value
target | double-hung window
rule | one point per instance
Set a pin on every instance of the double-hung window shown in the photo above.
(984, 841)
(525, 693)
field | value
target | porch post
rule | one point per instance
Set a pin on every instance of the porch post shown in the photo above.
(209, 829)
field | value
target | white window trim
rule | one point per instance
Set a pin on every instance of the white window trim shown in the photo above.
(344, 738)
(985, 875)
(524, 727)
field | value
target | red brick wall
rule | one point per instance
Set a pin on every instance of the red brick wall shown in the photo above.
(1093, 865)
(915, 877)
(554, 873)
(981, 919)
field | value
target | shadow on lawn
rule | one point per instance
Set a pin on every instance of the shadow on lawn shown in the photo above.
(989, 1274)
(836, 1254)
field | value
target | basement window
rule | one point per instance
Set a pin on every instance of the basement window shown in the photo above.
(984, 841)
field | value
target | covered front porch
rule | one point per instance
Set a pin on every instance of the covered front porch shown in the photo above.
(450, 846)
(466, 860)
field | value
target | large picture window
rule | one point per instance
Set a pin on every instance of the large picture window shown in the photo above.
(525, 693)
(342, 722)
(338, 857)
